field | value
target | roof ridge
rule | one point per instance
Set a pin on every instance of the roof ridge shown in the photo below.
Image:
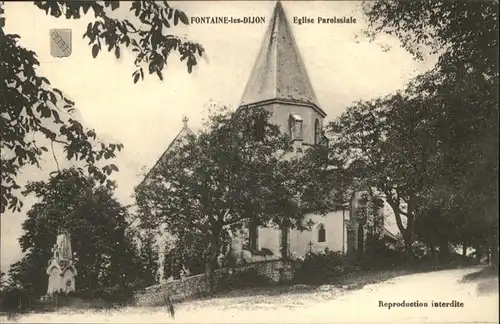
(184, 128)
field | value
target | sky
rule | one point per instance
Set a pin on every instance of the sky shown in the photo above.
(146, 116)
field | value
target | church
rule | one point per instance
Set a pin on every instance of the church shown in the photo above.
(279, 82)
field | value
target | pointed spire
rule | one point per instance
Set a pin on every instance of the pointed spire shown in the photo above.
(279, 72)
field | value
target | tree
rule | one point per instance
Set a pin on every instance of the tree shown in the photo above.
(231, 174)
(464, 88)
(189, 253)
(466, 132)
(148, 259)
(74, 202)
(392, 144)
(464, 33)
(31, 106)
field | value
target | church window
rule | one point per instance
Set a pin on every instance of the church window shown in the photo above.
(296, 127)
(317, 132)
(321, 233)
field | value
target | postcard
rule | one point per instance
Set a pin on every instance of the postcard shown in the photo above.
(249, 162)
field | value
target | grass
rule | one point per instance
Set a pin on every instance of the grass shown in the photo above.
(296, 295)
(286, 295)
(486, 280)
(357, 280)
(485, 273)
(351, 281)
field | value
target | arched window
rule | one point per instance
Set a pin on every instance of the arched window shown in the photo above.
(317, 132)
(321, 233)
(295, 124)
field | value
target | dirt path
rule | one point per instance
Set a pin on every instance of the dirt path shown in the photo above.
(331, 306)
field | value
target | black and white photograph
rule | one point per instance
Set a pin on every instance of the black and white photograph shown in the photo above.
(249, 161)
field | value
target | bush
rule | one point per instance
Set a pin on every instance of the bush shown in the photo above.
(324, 268)
(13, 299)
(9, 300)
(118, 294)
(248, 278)
(383, 260)
(377, 255)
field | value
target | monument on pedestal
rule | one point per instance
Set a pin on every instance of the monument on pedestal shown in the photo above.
(61, 269)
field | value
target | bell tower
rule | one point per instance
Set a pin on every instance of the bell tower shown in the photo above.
(279, 82)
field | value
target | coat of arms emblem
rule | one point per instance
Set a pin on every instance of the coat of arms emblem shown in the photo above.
(60, 42)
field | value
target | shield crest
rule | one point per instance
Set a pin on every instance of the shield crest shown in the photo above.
(60, 42)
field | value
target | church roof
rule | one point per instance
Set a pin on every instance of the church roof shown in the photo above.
(185, 131)
(279, 72)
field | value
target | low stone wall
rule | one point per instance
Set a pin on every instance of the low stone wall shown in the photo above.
(276, 270)
(177, 289)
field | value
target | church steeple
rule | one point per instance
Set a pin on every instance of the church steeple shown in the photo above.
(279, 74)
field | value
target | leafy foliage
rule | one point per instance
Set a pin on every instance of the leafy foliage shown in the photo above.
(230, 174)
(244, 278)
(148, 258)
(149, 41)
(368, 212)
(189, 254)
(31, 106)
(76, 203)
(386, 143)
(321, 268)
(432, 150)
(463, 33)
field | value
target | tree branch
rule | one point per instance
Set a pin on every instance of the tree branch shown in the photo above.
(54, 155)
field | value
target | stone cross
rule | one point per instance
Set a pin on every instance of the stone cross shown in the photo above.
(185, 121)
(310, 246)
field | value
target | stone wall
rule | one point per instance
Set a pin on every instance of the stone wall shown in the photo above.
(185, 288)
(276, 270)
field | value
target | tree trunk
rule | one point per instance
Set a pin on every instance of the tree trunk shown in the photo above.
(464, 249)
(408, 249)
(432, 251)
(212, 262)
(210, 278)
(361, 241)
(444, 251)
(408, 240)
(494, 252)
(494, 256)
(284, 242)
(406, 232)
(410, 228)
(479, 253)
